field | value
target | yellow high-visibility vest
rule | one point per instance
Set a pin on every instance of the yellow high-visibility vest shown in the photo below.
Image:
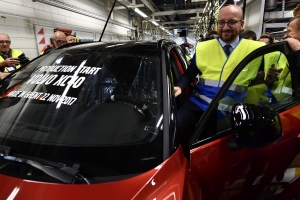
(14, 53)
(216, 66)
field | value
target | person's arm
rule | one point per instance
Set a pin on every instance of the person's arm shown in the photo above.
(187, 78)
(9, 62)
(296, 58)
(3, 75)
(295, 46)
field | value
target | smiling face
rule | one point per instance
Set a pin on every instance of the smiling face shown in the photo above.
(228, 33)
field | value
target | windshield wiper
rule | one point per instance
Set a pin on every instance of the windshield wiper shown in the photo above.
(56, 170)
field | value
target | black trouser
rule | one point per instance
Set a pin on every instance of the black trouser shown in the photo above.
(187, 117)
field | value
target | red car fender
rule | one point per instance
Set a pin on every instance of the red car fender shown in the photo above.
(174, 180)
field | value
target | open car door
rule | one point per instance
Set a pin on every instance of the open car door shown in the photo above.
(250, 154)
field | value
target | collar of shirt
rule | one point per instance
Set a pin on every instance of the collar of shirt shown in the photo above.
(233, 44)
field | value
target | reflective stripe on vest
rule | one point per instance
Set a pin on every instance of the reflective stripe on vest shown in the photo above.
(233, 87)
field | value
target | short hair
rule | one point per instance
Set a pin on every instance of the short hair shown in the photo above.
(297, 17)
(2, 33)
(248, 34)
(268, 37)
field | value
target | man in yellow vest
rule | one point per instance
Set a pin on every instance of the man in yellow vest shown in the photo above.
(282, 88)
(9, 60)
(214, 60)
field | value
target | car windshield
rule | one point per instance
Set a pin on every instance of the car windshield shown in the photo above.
(97, 106)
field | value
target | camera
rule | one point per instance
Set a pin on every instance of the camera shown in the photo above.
(23, 59)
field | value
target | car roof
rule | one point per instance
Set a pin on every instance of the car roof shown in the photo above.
(119, 45)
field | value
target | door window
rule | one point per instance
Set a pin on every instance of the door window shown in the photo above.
(263, 79)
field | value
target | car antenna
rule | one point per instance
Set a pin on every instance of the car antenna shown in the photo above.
(107, 20)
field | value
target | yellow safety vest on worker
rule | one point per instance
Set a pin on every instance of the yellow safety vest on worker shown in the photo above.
(14, 54)
(216, 66)
(282, 85)
(188, 58)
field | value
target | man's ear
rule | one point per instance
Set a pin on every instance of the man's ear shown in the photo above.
(51, 40)
(242, 24)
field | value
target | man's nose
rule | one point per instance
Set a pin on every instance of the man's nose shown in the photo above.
(226, 26)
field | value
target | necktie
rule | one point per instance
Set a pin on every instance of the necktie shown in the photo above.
(227, 49)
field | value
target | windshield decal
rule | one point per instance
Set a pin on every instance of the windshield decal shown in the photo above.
(54, 98)
(63, 80)
(67, 68)
(54, 78)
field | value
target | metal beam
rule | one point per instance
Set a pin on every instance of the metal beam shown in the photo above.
(172, 27)
(190, 21)
(179, 12)
(129, 6)
(276, 25)
(149, 5)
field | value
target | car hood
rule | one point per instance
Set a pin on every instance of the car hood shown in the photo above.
(164, 181)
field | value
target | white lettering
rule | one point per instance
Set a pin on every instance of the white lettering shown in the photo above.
(78, 82)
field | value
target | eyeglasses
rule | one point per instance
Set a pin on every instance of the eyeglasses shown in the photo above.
(230, 23)
(5, 41)
(60, 41)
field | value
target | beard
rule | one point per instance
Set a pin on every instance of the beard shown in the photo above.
(230, 36)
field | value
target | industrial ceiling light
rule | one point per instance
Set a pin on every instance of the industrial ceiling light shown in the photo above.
(155, 23)
(138, 11)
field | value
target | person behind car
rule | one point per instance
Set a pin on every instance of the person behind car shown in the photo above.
(70, 39)
(9, 60)
(280, 77)
(214, 60)
(266, 38)
(276, 61)
(58, 39)
(186, 53)
(292, 36)
(283, 83)
(248, 34)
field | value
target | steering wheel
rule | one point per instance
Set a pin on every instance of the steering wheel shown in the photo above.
(139, 103)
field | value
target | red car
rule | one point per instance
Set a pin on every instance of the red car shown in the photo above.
(98, 121)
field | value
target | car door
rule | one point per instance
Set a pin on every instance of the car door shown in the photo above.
(227, 171)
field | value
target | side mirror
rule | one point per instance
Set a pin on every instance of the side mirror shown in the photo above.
(254, 126)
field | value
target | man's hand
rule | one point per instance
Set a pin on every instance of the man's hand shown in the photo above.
(294, 44)
(3, 75)
(177, 91)
(10, 62)
(273, 73)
